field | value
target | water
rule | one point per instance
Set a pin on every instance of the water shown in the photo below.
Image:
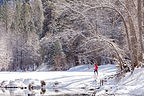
(45, 92)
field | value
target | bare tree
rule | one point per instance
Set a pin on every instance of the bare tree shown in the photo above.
(131, 22)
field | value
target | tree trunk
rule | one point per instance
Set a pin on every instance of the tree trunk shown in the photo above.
(133, 35)
(140, 55)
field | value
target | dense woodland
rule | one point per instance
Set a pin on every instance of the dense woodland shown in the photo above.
(60, 34)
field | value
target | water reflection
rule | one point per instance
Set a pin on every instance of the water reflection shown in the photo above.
(42, 92)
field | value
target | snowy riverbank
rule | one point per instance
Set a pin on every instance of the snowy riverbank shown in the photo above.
(77, 80)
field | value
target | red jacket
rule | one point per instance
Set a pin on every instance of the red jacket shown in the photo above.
(96, 67)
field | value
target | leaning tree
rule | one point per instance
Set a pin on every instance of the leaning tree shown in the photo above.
(131, 15)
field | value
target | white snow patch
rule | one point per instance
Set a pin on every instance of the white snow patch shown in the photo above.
(132, 84)
(76, 80)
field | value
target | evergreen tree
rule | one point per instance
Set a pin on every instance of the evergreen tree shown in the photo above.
(38, 17)
(0, 13)
(4, 13)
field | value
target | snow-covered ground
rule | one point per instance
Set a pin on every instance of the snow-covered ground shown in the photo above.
(132, 84)
(77, 80)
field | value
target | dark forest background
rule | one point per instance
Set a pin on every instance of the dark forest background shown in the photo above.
(60, 34)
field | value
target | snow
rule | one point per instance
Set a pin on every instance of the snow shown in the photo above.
(131, 84)
(77, 80)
